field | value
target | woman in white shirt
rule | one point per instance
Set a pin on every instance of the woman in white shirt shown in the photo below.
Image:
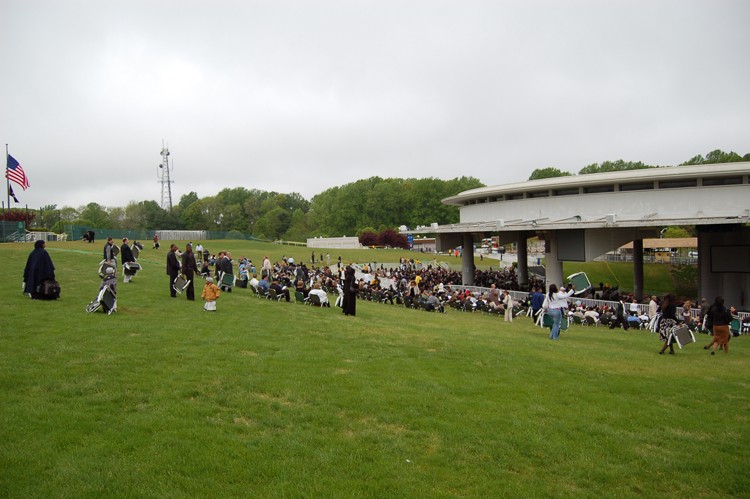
(653, 308)
(634, 308)
(557, 301)
(320, 294)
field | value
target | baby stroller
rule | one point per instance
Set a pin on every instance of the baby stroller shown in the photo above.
(107, 297)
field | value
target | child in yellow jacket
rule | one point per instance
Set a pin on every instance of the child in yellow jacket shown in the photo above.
(210, 294)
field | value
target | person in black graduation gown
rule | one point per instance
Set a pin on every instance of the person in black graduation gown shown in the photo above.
(350, 293)
(38, 269)
(173, 269)
(189, 268)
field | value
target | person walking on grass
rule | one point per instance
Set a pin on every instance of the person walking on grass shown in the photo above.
(350, 293)
(173, 269)
(210, 294)
(720, 319)
(199, 252)
(668, 322)
(127, 257)
(508, 302)
(620, 318)
(189, 269)
(109, 252)
(557, 302)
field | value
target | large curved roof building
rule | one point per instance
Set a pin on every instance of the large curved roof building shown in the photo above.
(581, 217)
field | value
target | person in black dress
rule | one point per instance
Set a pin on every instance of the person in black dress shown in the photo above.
(668, 322)
(189, 269)
(350, 293)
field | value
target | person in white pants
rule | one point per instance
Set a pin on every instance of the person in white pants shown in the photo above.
(508, 302)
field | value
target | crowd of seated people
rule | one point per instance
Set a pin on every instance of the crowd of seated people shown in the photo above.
(506, 279)
(432, 287)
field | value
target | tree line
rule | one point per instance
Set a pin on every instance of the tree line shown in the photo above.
(717, 156)
(369, 205)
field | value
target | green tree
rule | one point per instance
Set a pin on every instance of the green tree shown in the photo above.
(194, 217)
(376, 202)
(204, 214)
(294, 234)
(717, 156)
(187, 199)
(674, 232)
(135, 216)
(116, 215)
(69, 214)
(96, 215)
(233, 218)
(294, 201)
(230, 197)
(550, 172)
(274, 223)
(614, 166)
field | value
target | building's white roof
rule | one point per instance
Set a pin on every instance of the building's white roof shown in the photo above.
(596, 179)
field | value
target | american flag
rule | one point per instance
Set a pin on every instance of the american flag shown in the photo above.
(16, 174)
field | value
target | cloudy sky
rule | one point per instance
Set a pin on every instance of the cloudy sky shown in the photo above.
(303, 96)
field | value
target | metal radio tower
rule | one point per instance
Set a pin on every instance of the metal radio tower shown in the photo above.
(163, 174)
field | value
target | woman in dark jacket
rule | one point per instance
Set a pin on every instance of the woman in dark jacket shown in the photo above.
(720, 319)
(39, 268)
(189, 269)
(350, 293)
(668, 322)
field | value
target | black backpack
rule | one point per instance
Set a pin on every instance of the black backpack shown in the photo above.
(50, 289)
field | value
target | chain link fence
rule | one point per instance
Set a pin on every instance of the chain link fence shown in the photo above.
(12, 232)
(76, 232)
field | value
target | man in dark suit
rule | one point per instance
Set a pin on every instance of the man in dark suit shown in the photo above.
(173, 269)
(226, 267)
(109, 253)
(127, 257)
(279, 291)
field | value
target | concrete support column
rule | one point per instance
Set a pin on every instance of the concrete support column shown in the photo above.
(467, 260)
(553, 268)
(523, 258)
(638, 269)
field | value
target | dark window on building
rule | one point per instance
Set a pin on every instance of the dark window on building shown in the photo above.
(637, 187)
(544, 194)
(599, 188)
(678, 184)
(722, 181)
(513, 197)
(566, 192)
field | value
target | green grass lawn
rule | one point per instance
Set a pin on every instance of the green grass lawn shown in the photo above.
(265, 399)
(656, 279)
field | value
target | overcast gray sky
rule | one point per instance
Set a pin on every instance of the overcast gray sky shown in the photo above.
(303, 96)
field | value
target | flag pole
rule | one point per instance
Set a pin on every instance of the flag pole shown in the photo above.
(7, 180)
